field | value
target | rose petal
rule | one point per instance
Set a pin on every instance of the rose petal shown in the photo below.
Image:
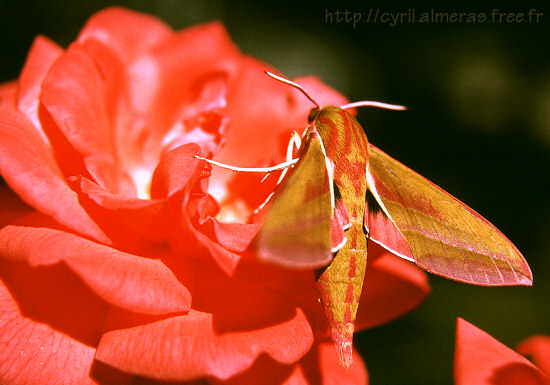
(8, 92)
(538, 348)
(320, 366)
(332, 371)
(190, 346)
(128, 32)
(28, 166)
(232, 236)
(81, 93)
(165, 109)
(393, 287)
(131, 282)
(132, 224)
(159, 108)
(190, 242)
(49, 325)
(480, 359)
(11, 206)
(231, 325)
(41, 56)
(177, 170)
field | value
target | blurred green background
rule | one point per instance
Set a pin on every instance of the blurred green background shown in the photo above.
(478, 125)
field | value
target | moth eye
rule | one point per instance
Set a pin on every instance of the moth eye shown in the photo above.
(312, 114)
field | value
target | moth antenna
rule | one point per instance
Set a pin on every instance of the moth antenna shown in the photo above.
(374, 104)
(295, 85)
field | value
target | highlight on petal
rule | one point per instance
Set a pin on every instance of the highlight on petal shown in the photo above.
(190, 346)
(128, 32)
(482, 360)
(131, 282)
(538, 348)
(41, 56)
(49, 325)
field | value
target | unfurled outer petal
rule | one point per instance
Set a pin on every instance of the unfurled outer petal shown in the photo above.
(190, 346)
(230, 326)
(538, 348)
(177, 170)
(131, 282)
(482, 360)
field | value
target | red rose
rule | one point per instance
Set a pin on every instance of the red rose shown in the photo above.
(482, 360)
(114, 263)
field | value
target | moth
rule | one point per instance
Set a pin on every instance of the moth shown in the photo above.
(340, 192)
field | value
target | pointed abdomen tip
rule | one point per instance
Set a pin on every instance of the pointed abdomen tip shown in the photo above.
(345, 353)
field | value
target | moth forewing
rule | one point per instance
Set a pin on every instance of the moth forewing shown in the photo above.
(296, 231)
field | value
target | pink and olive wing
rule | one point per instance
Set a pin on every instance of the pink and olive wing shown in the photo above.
(444, 236)
(297, 228)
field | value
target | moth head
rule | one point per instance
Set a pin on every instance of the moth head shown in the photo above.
(313, 114)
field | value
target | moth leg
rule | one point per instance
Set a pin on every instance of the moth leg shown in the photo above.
(280, 166)
(293, 144)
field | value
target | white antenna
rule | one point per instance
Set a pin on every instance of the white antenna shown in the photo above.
(297, 86)
(374, 104)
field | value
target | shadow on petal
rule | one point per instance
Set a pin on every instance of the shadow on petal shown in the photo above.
(55, 296)
(517, 373)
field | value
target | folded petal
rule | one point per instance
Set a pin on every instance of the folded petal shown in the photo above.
(131, 224)
(538, 348)
(82, 95)
(232, 236)
(188, 347)
(128, 281)
(480, 359)
(177, 170)
(49, 326)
